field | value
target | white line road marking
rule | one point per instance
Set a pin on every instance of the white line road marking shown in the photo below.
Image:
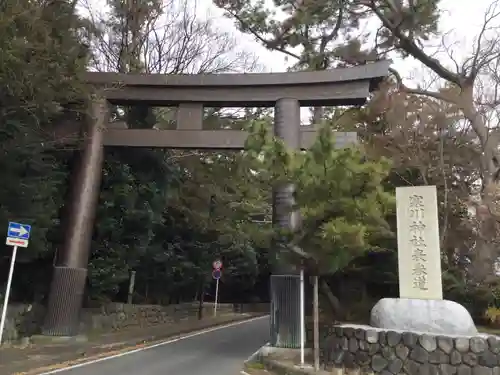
(244, 372)
(154, 346)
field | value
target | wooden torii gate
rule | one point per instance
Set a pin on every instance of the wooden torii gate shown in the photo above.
(286, 92)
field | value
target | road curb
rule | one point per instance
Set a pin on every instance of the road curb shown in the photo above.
(256, 357)
(280, 368)
(266, 357)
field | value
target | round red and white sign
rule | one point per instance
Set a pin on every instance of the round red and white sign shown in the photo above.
(217, 264)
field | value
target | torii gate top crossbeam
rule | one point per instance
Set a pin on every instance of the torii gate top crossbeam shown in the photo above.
(344, 86)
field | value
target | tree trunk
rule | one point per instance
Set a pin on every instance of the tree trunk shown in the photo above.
(332, 300)
(485, 251)
(201, 298)
(482, 265)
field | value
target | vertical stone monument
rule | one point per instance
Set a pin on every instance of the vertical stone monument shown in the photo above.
(419, 254)
(421, 307)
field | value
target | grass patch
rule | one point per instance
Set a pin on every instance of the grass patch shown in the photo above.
(489, 330)
(255, 366)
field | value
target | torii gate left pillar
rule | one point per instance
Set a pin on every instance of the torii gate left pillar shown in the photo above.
(70, 269)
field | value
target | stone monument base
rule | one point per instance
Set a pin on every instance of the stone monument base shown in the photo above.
(424, 316)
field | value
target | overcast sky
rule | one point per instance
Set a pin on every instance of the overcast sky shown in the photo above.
(461, 21)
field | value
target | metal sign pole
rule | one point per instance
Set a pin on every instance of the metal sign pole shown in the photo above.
(7, 292)
(302, 333)
(216, 274)
(216, 296)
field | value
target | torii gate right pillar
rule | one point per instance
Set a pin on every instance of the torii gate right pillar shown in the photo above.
(285, 302)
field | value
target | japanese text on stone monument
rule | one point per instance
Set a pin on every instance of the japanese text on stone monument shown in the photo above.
(417, 242)
(419, 257)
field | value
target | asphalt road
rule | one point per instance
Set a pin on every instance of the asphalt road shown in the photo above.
(218, 352)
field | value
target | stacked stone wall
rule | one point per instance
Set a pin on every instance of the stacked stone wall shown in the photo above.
(389, 352)
(26, 320)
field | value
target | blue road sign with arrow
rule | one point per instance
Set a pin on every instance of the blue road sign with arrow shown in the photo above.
(19, 231)
(17, 236)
